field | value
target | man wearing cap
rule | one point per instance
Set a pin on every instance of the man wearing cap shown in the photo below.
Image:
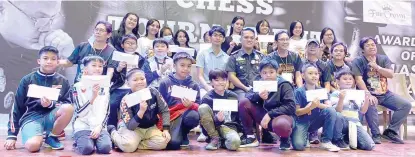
(312, 50)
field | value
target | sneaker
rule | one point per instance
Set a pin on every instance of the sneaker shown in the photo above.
(314, 138)
(214, 144)
(341, 144)
(284, 144)
(53, 142)
(249, 142)
(329, 146)
(392, 136)
(267, 137)
(201, 138)
(111, 128)
(308, 145)
(185, 142)
(61, 136)
(376, 139)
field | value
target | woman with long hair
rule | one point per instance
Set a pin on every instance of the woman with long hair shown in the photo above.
(129, 25)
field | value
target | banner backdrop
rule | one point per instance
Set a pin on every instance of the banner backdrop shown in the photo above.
(26, 26)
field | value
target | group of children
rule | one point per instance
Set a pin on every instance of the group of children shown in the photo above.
(103, 120)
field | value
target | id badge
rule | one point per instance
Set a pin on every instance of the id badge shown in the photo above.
(288, 76)
(227, 115)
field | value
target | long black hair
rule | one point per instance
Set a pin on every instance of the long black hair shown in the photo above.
(176, 41)
(121, 30)
(150, 22)
(236, 18)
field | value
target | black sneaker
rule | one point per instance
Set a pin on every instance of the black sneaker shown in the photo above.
(341, 144)
(314, 138)
(248, 142)
(392, 136)
(185, 142)
(376, 139)
(111, 128)
(284, 144)
(267, 137)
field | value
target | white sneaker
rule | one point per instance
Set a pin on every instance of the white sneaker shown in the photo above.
(201, 138)
(329, 146)
(308, 145)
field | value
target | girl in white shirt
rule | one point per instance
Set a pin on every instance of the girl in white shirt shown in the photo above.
(297, 42)
(144, 44)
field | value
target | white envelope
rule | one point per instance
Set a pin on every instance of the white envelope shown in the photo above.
(225, 105)
(236, 39)
(129, 58)
(266, 38)
(137, 97)
(36, 91)
(357, 95)
(318, 93)
(90, 81)
(204, 46)
(270, 86)
(180, 92)
(190, 51)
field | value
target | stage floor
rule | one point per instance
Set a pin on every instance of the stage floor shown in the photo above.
(197, 149)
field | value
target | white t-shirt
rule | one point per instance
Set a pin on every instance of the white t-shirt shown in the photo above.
(298, 46)
(143, 44)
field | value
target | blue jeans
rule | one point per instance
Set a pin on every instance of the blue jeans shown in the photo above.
(400, 106)
(364, 141)
(115, 101)
(326, 119)
(38, 126)
(83, 144)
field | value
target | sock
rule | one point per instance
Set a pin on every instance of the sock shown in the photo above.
(53, 135)
(250, 136)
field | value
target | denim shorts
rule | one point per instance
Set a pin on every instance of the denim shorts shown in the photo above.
(38, 126)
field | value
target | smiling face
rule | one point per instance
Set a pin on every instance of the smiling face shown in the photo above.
(137, 81)
(94, 67)
(311, 75)
(312, 48)
(100, 33)
(298, 29)
(154, 28)
(248, 39)
(328, 37)
(346, 81)
(283, 41)
(129, 45)
(219, 84)
(131, 22)
(264, 28)
(182, 67)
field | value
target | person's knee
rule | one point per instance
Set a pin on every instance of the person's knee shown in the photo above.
(282, 125)
(244, 103)
(86, 148)
(68, 108)
(233, 143)
(160, 144)
(204, 109)
(128, 146)
(191, 119)
(298, 145)
(330, 112)
(104, 148)
(33, 144)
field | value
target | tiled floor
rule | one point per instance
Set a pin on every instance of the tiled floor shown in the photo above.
(197, 149)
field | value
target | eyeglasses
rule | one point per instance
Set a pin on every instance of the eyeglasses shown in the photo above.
(328, 35)
(130, 43)
(42, 24)
(100, 30)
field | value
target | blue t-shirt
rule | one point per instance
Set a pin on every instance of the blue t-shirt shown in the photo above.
(351, 108)
(301, 99)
